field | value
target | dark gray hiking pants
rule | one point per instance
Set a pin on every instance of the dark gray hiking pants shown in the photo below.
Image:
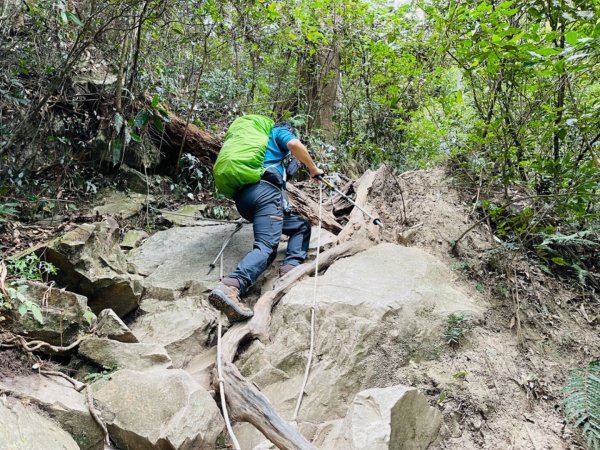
(261, 204)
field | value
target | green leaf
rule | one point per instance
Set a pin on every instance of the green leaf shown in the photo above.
(73, 18)
(117, 147)
(135, 137)
(559, 261)
(37, 313)
(22, 309)
(118, 122)
(572, 37)
(158, 124)
(141, 118)
(155, 101)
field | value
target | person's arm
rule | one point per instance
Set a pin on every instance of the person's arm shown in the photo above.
(300, 152)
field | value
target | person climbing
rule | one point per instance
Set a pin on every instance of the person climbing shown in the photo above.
(264, 203)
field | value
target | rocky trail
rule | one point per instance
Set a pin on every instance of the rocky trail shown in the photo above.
(384, 372)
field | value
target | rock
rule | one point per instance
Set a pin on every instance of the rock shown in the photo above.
(132, 238)
(361, 300)
(112, 327)
(377, 414)
(121, 205)
(184, 327)
(62, 312)
(133, 180)
(90, 262)
(57, 398)
(23, 429)
(186, 215)
(173, 258)
(158, 409)
(119, 355)
(414, 424)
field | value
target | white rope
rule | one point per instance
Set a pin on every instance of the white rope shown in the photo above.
(236, 444)
(312, 309)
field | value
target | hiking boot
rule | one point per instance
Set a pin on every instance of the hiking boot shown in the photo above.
(283, 270)
(226, 298)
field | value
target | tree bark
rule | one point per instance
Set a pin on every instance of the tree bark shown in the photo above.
(202, 144)
(308, 208)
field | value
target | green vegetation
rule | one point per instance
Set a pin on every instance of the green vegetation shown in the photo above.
(582, 405)
(456, 327)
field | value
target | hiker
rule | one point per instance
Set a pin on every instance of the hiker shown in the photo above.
(264, 203)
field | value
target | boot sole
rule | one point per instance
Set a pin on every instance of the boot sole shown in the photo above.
(233, 312)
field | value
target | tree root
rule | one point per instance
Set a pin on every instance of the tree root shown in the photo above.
(245, 401)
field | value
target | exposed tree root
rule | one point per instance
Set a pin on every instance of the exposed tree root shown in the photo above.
(244, 400)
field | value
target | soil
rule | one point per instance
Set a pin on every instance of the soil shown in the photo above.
(501, 387)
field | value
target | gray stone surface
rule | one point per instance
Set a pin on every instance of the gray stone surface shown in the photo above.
(121, 205)
(90, 262)
(113, 354)
(62, 313)
(21, 428)
(184, 326)
(158, 409)
(186, 215)
(112, 327)
(132, 238)
(376, 311)
(376, 414)
(173, 258)
(57, 398)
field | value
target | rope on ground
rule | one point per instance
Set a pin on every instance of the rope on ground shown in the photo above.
(312, 310)
(236, 444)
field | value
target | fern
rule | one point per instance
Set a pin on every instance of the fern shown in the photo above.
(582, 405)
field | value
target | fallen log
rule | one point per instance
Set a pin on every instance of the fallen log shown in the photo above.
(169, 139)
(244, 401)
(308, 208)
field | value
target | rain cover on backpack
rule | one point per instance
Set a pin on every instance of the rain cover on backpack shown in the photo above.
(240, 161)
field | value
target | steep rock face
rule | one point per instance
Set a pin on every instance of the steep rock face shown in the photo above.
(62, 313)
(57, 398)
(24, 429)
(158, 409)
(90, 262)
(376, 311)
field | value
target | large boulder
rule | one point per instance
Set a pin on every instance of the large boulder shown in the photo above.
(111, 354)
(396, 417)
(22, 428)
(185, 327)
(57, 398)
(62, 313)
(90, 262)
(376, 311)
(158, 409)
(171, 259)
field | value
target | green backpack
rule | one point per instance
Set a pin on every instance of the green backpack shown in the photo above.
(240, 161)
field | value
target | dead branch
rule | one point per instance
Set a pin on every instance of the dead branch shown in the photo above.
(77, 385)
(308, 208)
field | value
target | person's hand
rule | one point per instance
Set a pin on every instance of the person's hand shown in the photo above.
(316, 173)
